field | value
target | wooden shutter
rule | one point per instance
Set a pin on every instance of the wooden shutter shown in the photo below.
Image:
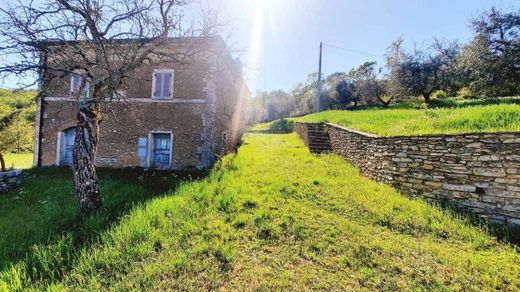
(158, 85)
(166, 85)
(142, 151)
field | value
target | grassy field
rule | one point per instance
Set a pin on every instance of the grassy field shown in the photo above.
(18, 161)
(273, 217)
(395, 121)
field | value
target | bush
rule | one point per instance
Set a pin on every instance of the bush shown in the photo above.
(281, 124)
(465, 93)
(439, 94)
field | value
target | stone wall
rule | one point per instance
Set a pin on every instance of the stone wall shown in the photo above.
(10, 180)
(301, 130)
(123, 125)
(474, 172)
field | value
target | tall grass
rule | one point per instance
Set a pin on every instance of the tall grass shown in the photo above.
(395, 122)
(275, 217)
(415, 119)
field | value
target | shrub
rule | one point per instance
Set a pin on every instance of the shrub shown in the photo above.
(281, 124)
(439, 94)
(465, 93)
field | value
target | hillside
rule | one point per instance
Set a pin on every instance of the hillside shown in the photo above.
(17, 112)
(462, 117)
(272, 217)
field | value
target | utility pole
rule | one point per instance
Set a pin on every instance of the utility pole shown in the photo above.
(318, 95)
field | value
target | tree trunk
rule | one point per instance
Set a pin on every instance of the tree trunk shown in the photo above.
(2, 163)
(427, 97)
(85, 147)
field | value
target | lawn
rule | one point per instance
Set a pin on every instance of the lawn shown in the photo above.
(18, 161)
(396, 121)
(272, 217)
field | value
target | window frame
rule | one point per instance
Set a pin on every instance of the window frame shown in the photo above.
(172, 82)
(86, 90)
(151, 148)
(59, 144)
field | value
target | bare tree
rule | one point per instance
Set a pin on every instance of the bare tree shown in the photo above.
(101, 42)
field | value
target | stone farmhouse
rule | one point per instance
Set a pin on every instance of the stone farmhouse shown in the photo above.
(166, 116)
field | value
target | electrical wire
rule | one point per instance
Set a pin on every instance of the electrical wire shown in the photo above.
(352, 51)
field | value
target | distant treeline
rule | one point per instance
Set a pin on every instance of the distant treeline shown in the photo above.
(487, 66)
(17, 112)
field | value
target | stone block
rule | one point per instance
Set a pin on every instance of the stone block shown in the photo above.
(462, 188)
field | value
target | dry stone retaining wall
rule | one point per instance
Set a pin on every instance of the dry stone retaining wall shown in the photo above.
(475, 172)
(10, 180)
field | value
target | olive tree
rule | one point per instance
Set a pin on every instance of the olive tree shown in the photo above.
(490, 62)
(422, 71)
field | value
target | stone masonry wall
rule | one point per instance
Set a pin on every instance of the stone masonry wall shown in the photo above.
(191, 116)
(123, 125)
(474, 172)
(301, 130)
(10, 180)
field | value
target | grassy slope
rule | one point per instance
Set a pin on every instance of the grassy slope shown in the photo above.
(19, 161)
(277, 217)
(394, 122)
(40, 229)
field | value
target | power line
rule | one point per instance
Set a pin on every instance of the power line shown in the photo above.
(353, 51)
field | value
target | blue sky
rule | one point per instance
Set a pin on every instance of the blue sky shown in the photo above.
(281, 37)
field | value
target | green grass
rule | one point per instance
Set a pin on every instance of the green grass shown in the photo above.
(395, 121)
(273, 217)
(18, 161)
(41, 229)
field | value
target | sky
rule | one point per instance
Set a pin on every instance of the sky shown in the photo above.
(278, 40)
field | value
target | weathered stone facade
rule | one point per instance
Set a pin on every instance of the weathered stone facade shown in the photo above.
(475, 172)
(10, 179)
(205, 103)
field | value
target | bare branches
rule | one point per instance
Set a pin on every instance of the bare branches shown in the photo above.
(96, 36)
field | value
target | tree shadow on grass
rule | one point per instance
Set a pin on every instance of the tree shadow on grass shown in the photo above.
(43, 214)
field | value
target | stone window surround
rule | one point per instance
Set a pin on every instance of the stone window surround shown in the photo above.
(150, 146)
(172, 81)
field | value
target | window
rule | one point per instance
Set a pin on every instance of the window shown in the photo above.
(162, 86)
(78, 82)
